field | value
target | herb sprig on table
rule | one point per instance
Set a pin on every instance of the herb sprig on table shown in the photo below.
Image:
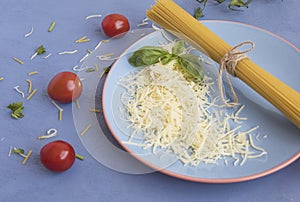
(232, 5)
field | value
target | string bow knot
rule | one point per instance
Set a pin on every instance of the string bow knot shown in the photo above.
(227, 66)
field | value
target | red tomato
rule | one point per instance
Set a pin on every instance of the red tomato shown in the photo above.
(115, 24)
(64, 87)
(57, 156)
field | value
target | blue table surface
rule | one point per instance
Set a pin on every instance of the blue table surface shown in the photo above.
(89, 180)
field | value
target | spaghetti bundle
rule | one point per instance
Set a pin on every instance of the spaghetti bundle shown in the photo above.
(173, 18)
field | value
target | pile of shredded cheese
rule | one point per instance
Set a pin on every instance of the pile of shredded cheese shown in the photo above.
(174, 112)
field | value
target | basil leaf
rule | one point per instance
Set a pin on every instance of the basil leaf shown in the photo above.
(17, 109)
(40, 50)
(149, 55)
(18, 151)
(178, 47)
(191, 65)
(238, 4)
(198, 13)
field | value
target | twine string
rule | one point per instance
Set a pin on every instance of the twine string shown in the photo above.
(227, 66)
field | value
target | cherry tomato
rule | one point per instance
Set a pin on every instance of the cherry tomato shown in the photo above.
(115, 24)
(64, 87)
(57, 156)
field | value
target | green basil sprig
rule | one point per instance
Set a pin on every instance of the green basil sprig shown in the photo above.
(149, 55)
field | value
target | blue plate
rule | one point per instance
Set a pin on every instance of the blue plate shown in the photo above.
(278, 136)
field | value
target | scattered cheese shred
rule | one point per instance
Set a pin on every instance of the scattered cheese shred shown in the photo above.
(77, 104)
(18, 60)
(31, 94)
(1, 78)
(60, 116)
(100, 43)
(96, 67)
(60, 110)
(50, 133)
(95, 110)
(32, 73)
(89, 51)
(82, 39)
(56, 105)
(47, 56)
(27, 157)
(19, 91)
(29, 33)
(30, 85)
(33, 56)
(144, 22)
(10, 151)
(85, 129)
(84, 57)
(68, 52)
(107, 56)
(93, 16)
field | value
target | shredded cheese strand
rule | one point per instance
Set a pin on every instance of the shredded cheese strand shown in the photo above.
(27, 157)
(19, 91)
(30, 85)
(29, 33)
(93, 16)
(84, 57)
(31, 94)
(100, 43)
(50, 133)
(85, 129)
(95, 110)
(77, 104)
(18, 60)
(47, 56)
(32, 73)
(67, 52)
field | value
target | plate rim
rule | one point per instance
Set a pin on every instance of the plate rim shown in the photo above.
(195, 179)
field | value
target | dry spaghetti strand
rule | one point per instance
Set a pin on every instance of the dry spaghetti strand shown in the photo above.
(172, 17)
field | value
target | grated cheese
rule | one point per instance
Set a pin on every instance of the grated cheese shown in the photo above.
(31, 94)
(77, 104)
(95, 110)
(50, 133)
(96, 67)
(67, 52)
(47, 56)
(19, 91)
(30, 85)
(1, 78)
(60, 110)
(107, 56)
(100, 42)
(82, 39)
(175, 113)
(18, 60)
(32, 73)
(93, 16)
(10, 151)
(29, 33)
(84, 57)
(27, 157)
(33, 56)
(60, 116)
(85, 129)
(144, 22)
